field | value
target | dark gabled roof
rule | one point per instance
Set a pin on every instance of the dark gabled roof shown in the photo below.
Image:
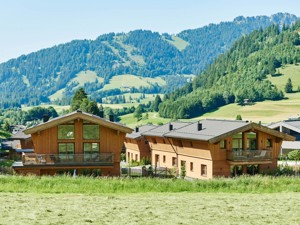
(141, 129)
(78, 115)
(290, 124)
(211, 131)
(19, 134)
(160, 131)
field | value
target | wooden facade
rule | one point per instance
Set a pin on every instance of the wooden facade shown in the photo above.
(48, 157)
(250, 149)
(137, 146)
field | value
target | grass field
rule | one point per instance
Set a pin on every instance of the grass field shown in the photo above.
(84, 200)
(169, 208)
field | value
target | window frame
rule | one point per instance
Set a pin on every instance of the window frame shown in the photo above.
(61, 132)
(84, 132)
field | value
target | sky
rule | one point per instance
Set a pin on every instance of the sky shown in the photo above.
(30, 25)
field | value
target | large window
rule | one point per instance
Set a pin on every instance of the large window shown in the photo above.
(91, 132)
(66, 132)
(66, 150)
(90, 150)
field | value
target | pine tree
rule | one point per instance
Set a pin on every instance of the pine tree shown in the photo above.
(78, 98)
(156, 103)
(289, 86)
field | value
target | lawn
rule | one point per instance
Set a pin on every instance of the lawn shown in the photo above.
(147, 208)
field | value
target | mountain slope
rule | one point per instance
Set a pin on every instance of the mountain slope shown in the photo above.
(34, 77)
(239, 74)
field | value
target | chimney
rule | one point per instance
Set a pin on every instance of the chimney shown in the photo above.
(45, 118)
(137, 129)
(199, 126)
(111, 118)
(101, 114)
(170, 126)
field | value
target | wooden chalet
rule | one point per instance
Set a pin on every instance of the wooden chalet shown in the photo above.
(75, 141)
(137, 147)
(212, 148)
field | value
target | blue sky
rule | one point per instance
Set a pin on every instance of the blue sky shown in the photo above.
(30, 25)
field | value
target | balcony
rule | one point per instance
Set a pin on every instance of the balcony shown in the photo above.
(95, 159)
(249, 156)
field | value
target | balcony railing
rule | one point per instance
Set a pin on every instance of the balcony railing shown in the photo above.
(68, 159)
(249, 155)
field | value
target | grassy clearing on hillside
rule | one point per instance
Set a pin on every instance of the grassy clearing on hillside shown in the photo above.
(179, 43)
(146, 208)
(128, 80)
(153, 118)
(81, 78)
(95, 186)
(289, 71)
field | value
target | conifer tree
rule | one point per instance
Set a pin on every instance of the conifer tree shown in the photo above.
(289, 86)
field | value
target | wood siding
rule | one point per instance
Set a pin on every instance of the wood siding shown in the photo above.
(46, 142)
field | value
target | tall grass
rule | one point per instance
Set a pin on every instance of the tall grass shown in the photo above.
(88, 185)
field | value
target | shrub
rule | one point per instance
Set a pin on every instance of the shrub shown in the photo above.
(294, 155)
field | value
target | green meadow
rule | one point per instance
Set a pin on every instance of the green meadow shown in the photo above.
(85, 200)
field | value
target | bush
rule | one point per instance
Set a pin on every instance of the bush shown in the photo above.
(294, 155)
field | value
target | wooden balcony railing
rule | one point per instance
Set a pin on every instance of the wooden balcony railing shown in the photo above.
(249, 155)
(68, 159)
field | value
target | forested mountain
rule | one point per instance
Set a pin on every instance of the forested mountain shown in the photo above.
(32, 78)
(238, 74)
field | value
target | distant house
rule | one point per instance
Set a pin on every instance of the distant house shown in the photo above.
(211, 148)
(75, 141)
(137, 147)
(291, 127)
(25, 139)
(18, 142)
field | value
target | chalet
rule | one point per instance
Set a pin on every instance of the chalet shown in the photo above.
(211, 148)
(75, 141)
(137, 147)
(291, 127)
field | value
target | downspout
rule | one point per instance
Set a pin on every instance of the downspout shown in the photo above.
(175, 153)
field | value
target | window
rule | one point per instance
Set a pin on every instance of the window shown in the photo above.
(65, 132)
(203, 170)
(191, 166)
(269, 143)
(173, 161)
(223, 144)
(91, 150)
(136, 157)
(91, 132)
(66, 150)
(164, 158)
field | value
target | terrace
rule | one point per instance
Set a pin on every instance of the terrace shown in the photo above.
(93, 159)
(249, 156)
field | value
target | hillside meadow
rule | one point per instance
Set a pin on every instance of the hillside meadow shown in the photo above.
(86, 200)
